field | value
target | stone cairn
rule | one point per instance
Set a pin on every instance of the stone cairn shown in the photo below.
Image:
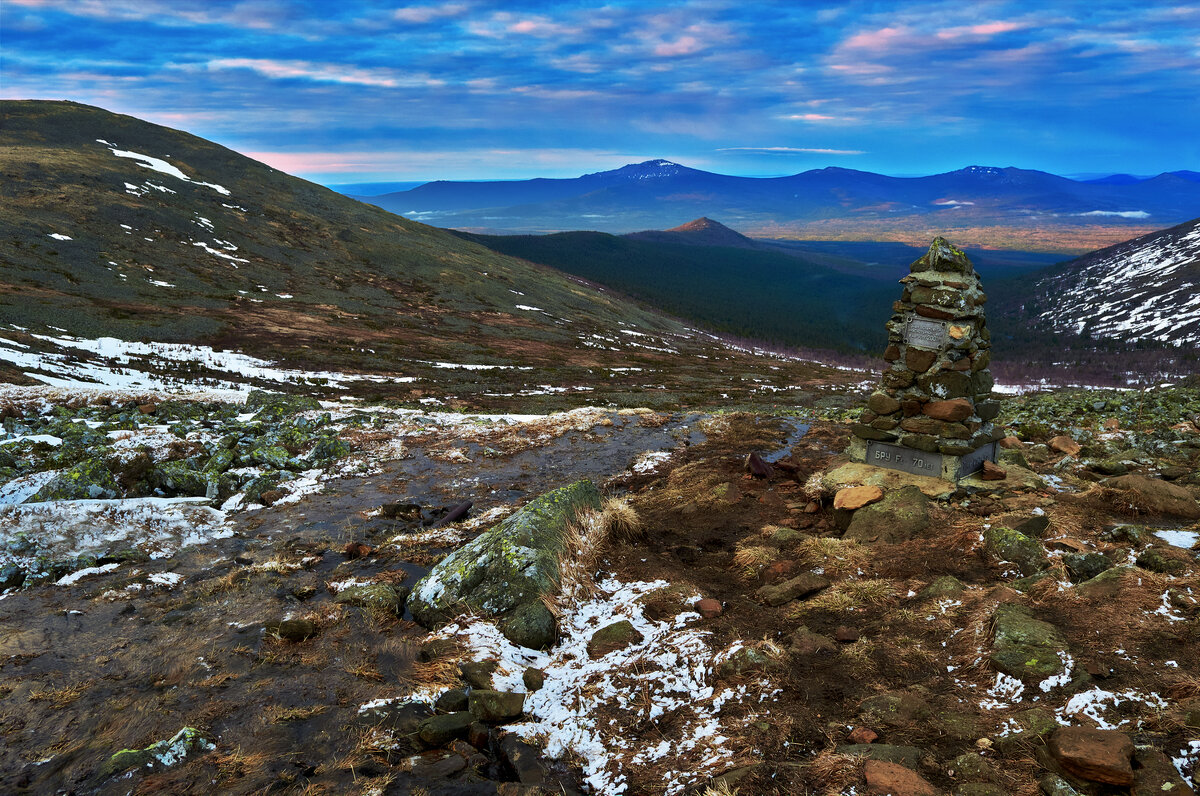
(934, 396)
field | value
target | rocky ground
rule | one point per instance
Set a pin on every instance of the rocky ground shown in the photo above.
(208, 596)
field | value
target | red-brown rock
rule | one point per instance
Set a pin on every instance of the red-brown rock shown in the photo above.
(855, 497)
(1095, 755)
(709, 608)
(992, 472)
(1012, 444)
(934, 312)
(780, 571)
(919, 361)
(148, 409)
(951, 411)
(846, 635)
(862, 735)
(358, 550)
(1066, 445)
(892, 779)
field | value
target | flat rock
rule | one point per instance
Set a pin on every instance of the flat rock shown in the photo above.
(855, 497)
(495, 707)
(1095, 755)
(799, 586)
(908, 756)
(609, 638)
(1155, 496)
(892, 779)
(1065, 445)
(1156, 775)
(953, 411)
(858, 473)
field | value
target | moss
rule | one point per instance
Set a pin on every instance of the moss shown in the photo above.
(1009, 545)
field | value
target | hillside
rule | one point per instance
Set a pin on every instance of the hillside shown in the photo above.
(1008, 207)
(702, 231)
(1146, 289)
(114, 227)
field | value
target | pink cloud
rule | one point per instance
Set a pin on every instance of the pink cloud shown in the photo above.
(984, 30)
(684, 45)
(810, 117)
(881, 39)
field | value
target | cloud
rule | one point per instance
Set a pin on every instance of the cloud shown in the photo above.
(321, 72)
(790, 150)
(420, 15)
(810, 117)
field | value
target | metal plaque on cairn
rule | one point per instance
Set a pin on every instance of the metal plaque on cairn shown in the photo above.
(932, 412)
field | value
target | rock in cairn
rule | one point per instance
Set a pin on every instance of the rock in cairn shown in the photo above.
(933, 398)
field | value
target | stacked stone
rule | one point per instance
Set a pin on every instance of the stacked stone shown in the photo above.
(934, 397)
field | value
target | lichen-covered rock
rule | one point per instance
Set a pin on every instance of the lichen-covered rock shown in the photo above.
(495, 707)
(177, 478)
(164, 753)
(514, 563)
(1085, 566)
(1009, 545)
(901, 515)
(618, 635)
(1024, 647)
(530, 625)
(273, 406)
(90, 479)
(381, 597)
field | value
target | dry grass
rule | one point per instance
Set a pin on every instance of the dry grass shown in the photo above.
(721, 789)
(849, 595)
(816, 489)
(61, 697)
(280, 715)
(837, 556)
(835, 773)
(620, 522)
(752, 559)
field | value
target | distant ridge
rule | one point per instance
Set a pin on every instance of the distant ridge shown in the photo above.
(702, 231)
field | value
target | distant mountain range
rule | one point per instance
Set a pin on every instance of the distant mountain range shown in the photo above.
(982, 202)
(117, 228)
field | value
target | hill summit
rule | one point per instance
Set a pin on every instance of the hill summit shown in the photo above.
(702, 231)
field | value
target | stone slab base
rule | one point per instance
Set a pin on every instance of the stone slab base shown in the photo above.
(919, 463)
(856, 474)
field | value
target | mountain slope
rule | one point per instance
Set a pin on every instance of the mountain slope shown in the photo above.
(987, 204)
(117, 227)
(1146, 289)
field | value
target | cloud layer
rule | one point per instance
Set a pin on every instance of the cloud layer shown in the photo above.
(476, 89)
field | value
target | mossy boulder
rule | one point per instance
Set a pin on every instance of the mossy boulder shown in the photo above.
(616, 636)
(1085, 566)
(946, 586)
(495, 707)
(1024, 647)
(273, 406)
(514, 563)
(380, 597)
(530, 625)
(90, 479)
(177, 478)
(901, 515)
(1009, 545)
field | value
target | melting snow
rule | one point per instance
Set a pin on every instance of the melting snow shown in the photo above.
(58, 236)
(162, 166)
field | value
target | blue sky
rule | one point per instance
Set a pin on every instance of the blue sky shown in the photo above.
(361, 91)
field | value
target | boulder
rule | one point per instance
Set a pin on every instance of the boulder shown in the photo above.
(1094, 755)
(381, 597)
(1085, 566)
(1009, 545)
(1065, 445)
(609, 638)
(165, 753)
(1157, 497)
(899, 516)
(1024, 647)
(891, 779)
(800, 586)
(530, 625)
(514, 563)
(495, 707)
(441, 730)
(274, 406)
(908, 756)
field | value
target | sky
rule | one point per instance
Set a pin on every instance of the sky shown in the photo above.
(358, 91)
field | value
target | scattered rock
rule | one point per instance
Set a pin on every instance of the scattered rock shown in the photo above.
(1007, 544)
(441, 730)
(907, 756)
(945, 586)
(440, 767)
(1011, 443)
(855, 497)
(750, 659)
(892, 779)
(799, 586)
(165, 753)
(898, 517)
(1085, 566)
(618, 635)
(358, 550)
(1054, 785)
(452, 701)
(992, 472)
(478, 674)
(846, 635)
(495, 707)
(381, 597)
(806, 642)
(1109, 584)
(1095, 755)
(294, 629)
(523, 759)
(1154, 775)
(862, 735)
(1025, 647)
(974, 768)
(757, 467)
(709, 608)
(530, 625)
(1065, 445)
(533, 679)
